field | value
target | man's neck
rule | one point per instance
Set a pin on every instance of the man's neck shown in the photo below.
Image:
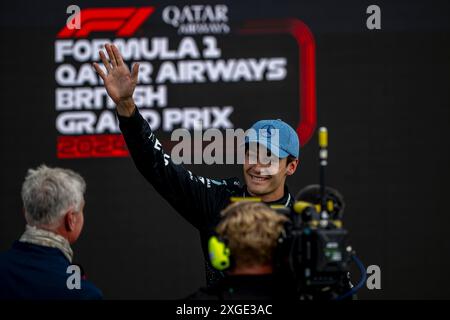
(47, 238)
(253, 270)
(59, 230)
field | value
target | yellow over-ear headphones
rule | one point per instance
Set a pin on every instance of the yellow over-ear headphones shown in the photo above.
(219, 253)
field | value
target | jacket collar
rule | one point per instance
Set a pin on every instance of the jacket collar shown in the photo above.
(46, 238)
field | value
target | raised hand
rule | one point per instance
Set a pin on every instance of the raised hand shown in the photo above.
(119, 82)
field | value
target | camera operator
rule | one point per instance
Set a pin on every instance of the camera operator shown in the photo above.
(250, 231)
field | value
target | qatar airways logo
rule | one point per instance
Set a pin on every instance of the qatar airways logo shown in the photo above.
(197, 19)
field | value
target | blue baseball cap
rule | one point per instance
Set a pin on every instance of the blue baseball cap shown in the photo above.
(276, 135)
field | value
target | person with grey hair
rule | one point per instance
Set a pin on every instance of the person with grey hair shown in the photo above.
(39, 264)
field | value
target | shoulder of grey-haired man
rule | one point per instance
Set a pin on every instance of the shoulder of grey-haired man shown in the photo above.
(39, 265)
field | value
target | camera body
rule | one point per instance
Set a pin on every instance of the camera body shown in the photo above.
(313, 253)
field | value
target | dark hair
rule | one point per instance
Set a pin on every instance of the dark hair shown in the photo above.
(289, 159)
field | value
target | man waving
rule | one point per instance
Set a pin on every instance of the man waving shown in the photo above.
(199, 200)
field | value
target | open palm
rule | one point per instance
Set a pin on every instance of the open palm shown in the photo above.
(119, 82)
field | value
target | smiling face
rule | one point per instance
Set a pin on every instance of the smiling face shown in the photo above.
(265, 176)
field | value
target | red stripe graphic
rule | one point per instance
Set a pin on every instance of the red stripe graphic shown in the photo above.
(307, 65)
(124, 21)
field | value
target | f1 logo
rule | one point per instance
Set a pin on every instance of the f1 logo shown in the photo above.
(124, 21)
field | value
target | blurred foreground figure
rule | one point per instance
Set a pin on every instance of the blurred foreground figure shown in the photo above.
(245, 244)
(39, 264)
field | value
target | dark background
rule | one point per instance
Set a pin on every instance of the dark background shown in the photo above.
(383, 94)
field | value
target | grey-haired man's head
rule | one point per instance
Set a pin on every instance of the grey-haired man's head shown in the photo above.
(53, 199)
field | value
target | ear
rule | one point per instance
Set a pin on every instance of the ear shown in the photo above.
(70, 220)
(291, 167)
(24, 215)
